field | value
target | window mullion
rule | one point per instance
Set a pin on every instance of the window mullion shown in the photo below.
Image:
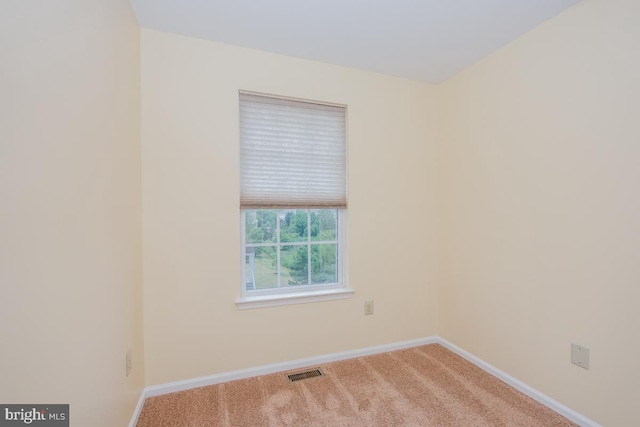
(261, 245)
(339, 249)
(244, 252)
(308, 247)
(278, 248)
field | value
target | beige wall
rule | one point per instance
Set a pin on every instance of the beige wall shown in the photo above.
(192, 221)
(537, 210)
(539, 207)
(70, 234)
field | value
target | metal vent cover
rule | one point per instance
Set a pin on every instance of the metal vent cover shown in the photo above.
(304, 375)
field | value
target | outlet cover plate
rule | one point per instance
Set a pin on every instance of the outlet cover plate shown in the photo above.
(128, 362)
(368, 308)
(580, 356)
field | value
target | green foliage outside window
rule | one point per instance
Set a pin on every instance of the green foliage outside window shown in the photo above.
(261, 227)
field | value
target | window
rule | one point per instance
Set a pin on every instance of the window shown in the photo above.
(293, 199)
(291, 248)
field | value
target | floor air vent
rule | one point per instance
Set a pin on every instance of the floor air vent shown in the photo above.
(304, 375)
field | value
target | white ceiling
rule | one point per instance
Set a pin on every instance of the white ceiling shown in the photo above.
(428, 40)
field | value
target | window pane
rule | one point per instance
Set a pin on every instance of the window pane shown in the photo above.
(260, 226)
(293, 225)
(260, 268)
(324, 265)
(295, 269)
(324, 224)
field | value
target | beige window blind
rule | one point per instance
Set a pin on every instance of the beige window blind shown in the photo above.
(292, 154)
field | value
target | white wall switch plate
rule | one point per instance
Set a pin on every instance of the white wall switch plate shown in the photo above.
(580, 356)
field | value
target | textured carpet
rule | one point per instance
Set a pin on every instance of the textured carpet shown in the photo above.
(421, 386)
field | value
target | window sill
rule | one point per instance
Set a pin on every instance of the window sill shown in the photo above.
(260, 301)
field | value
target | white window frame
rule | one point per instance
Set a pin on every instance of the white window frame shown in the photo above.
(286, 295)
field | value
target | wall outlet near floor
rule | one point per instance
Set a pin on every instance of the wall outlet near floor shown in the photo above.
(368, 308)
(128, 362)
(580, 356)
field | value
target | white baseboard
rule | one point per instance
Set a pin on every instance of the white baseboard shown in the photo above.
(520, 386)
(280, 367)
(175, 386)
(136, 412)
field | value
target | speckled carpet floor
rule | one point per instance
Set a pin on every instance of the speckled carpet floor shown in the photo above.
(421, 386)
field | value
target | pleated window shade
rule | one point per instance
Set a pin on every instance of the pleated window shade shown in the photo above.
(292, 154)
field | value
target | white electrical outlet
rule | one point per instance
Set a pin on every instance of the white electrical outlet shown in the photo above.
(128, 362)
(368, 308)
(580, 356)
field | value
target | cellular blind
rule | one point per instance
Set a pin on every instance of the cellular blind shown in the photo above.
(292, 154)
